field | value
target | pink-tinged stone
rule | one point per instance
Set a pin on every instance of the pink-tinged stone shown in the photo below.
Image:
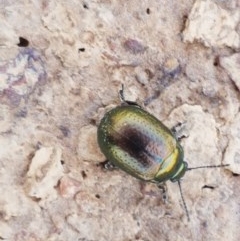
(68, 187)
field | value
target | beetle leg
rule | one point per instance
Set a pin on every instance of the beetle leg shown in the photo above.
(178, 130)
(175, 128)
(163, 188)
(108, 165)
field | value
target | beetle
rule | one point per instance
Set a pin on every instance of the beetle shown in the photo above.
(138, 143)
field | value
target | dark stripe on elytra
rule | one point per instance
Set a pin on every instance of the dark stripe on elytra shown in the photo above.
(134, 143)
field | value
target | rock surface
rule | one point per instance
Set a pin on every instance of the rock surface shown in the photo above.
(178, 59)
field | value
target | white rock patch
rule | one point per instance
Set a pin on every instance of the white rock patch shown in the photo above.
(44, 172)
(212, 25)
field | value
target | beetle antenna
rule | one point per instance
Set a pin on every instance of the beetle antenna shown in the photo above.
(121, 94)
(183, 200)
(209, 166)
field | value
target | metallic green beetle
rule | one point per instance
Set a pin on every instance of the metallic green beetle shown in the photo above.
(138, 143)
